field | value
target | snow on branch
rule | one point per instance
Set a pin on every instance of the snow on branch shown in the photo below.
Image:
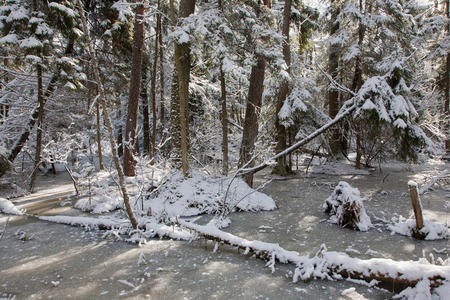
(381, 272)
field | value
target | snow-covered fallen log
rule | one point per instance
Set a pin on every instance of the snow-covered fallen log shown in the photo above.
(348, 108)
(147, 230)
(386, 273)
(100, 223)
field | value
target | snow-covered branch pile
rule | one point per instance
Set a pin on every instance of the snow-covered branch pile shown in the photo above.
(386, 273)
(435, 180)
(345, 207)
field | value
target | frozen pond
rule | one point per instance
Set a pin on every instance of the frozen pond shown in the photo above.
(65, 262)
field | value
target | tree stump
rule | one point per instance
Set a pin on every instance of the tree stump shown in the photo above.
(417, 207)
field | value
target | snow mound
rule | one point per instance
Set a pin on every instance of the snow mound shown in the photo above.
(200, 194)
(345, 207)
(101, 204)
(8, 207)
(431, 230)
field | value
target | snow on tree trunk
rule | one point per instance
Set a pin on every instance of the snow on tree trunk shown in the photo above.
(282, 167)
(345, 207)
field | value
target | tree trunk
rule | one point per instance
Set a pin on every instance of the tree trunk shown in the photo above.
(223, 113)
(183, 68)
(387, 274)
(250, 130)
(123, 188)
(356, 85)
(37, 157)
(162, 115)
(282, 167)
(145, 110)
(120, 133)
(302, 142)
(129, 163)
(99, 137)
(447, 86)
(333, 94)
(153, 85)
(224, 119)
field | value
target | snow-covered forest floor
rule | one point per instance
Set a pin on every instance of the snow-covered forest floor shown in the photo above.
(48, 260)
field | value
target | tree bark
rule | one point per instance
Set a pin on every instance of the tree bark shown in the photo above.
(37, 157)
(447, 86)
(129, 163)
(183, 67)
(250, 130)
(99, 137)
(162, 115)
(333, 94)
(153, 84)
(357, 83)
(223, 113)
(145, 109)
(282, 167)
(123, 188)
(224, 120)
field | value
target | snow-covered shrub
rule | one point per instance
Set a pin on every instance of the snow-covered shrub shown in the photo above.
(200, 194)
(345, 207)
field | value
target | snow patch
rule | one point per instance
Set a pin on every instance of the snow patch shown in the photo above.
(8, 207)
(432, 230)
(200, 194)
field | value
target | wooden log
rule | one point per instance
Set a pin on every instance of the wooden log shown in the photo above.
(385, 273)
(417, 207)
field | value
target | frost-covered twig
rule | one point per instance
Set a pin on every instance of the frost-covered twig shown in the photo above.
(435, 179)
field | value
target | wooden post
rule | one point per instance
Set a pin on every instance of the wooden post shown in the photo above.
(417, 207)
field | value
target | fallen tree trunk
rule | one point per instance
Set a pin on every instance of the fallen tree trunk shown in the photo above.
(339, 117)
(386, 273)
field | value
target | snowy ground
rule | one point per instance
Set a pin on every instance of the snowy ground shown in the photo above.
(65, 262)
